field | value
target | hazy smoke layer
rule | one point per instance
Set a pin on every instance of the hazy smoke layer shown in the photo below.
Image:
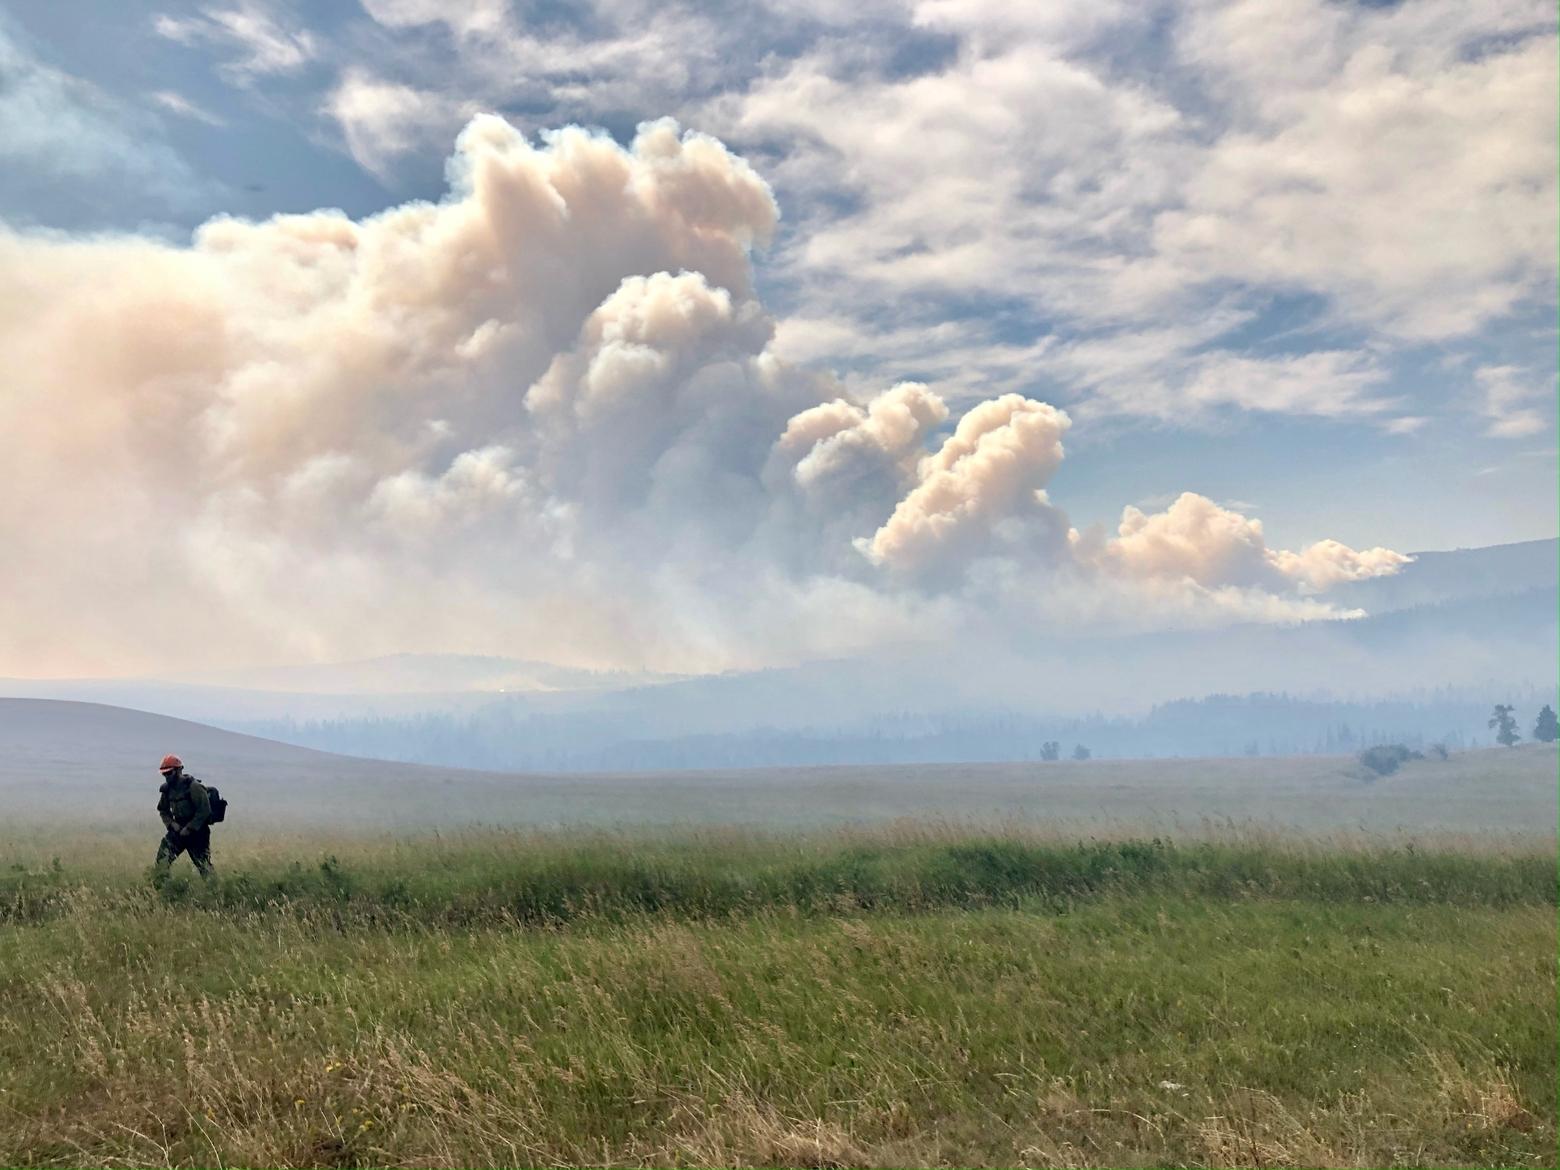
(539, 417)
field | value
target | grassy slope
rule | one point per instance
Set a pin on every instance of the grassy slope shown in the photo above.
(902, 999)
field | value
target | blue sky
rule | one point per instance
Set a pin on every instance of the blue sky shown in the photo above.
(1294, 256)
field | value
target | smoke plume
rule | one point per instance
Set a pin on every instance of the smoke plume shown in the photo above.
(539, 417)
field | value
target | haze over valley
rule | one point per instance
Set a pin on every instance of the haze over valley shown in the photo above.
(1434, 647)
(93, 761)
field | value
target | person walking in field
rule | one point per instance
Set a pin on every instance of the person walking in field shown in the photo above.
(188, 811)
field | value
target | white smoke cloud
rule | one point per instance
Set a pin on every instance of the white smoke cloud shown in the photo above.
(542, 416)
(1327, 562)
(840, 440)
(1195, 540)
(991, 471)
(475, 483)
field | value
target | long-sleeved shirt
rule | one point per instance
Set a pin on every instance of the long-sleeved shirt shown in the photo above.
(183, 804)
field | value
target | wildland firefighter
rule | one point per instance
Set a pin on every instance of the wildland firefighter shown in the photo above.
(188, 809)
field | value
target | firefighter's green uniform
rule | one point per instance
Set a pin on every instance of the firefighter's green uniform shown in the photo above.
(186, 813)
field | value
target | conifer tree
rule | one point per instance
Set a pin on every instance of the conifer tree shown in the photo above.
(1505, 725)
(1546, 730)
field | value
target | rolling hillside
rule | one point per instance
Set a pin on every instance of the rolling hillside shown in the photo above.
(64, 764)
(1458, 575)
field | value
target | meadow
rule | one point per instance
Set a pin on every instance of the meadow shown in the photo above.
(910, 994)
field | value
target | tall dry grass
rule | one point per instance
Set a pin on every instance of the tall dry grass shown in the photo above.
(916, 998)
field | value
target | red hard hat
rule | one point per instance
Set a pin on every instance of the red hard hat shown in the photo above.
(169, 763)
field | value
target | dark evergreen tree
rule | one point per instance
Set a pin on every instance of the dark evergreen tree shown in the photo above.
(1504, 724)
(1546, 730)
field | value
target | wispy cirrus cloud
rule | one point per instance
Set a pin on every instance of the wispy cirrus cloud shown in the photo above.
(1035, 168)
(258, 42)
(178, 104)
(1400, 162)
(1511, 398)
(383, 120)
(474, 18)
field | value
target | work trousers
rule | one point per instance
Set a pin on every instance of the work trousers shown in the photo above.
(197, 845)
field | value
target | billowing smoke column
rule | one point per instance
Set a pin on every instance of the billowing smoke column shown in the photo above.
(990, 472)
(540, 417)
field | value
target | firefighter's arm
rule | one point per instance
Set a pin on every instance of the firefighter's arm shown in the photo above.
(202, 813)
(162, 810)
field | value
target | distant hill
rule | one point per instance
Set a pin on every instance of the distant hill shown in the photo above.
(68, 740)
(1458, 575)
(103, 760)
(65, 765)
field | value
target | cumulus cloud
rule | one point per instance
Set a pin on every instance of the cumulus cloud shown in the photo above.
(542, 416)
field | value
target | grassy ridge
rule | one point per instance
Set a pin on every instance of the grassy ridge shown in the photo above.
(909, 998)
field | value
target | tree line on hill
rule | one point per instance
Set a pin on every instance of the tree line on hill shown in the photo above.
(512, 735)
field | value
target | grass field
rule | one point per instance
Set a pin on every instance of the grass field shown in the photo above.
(905, 996)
